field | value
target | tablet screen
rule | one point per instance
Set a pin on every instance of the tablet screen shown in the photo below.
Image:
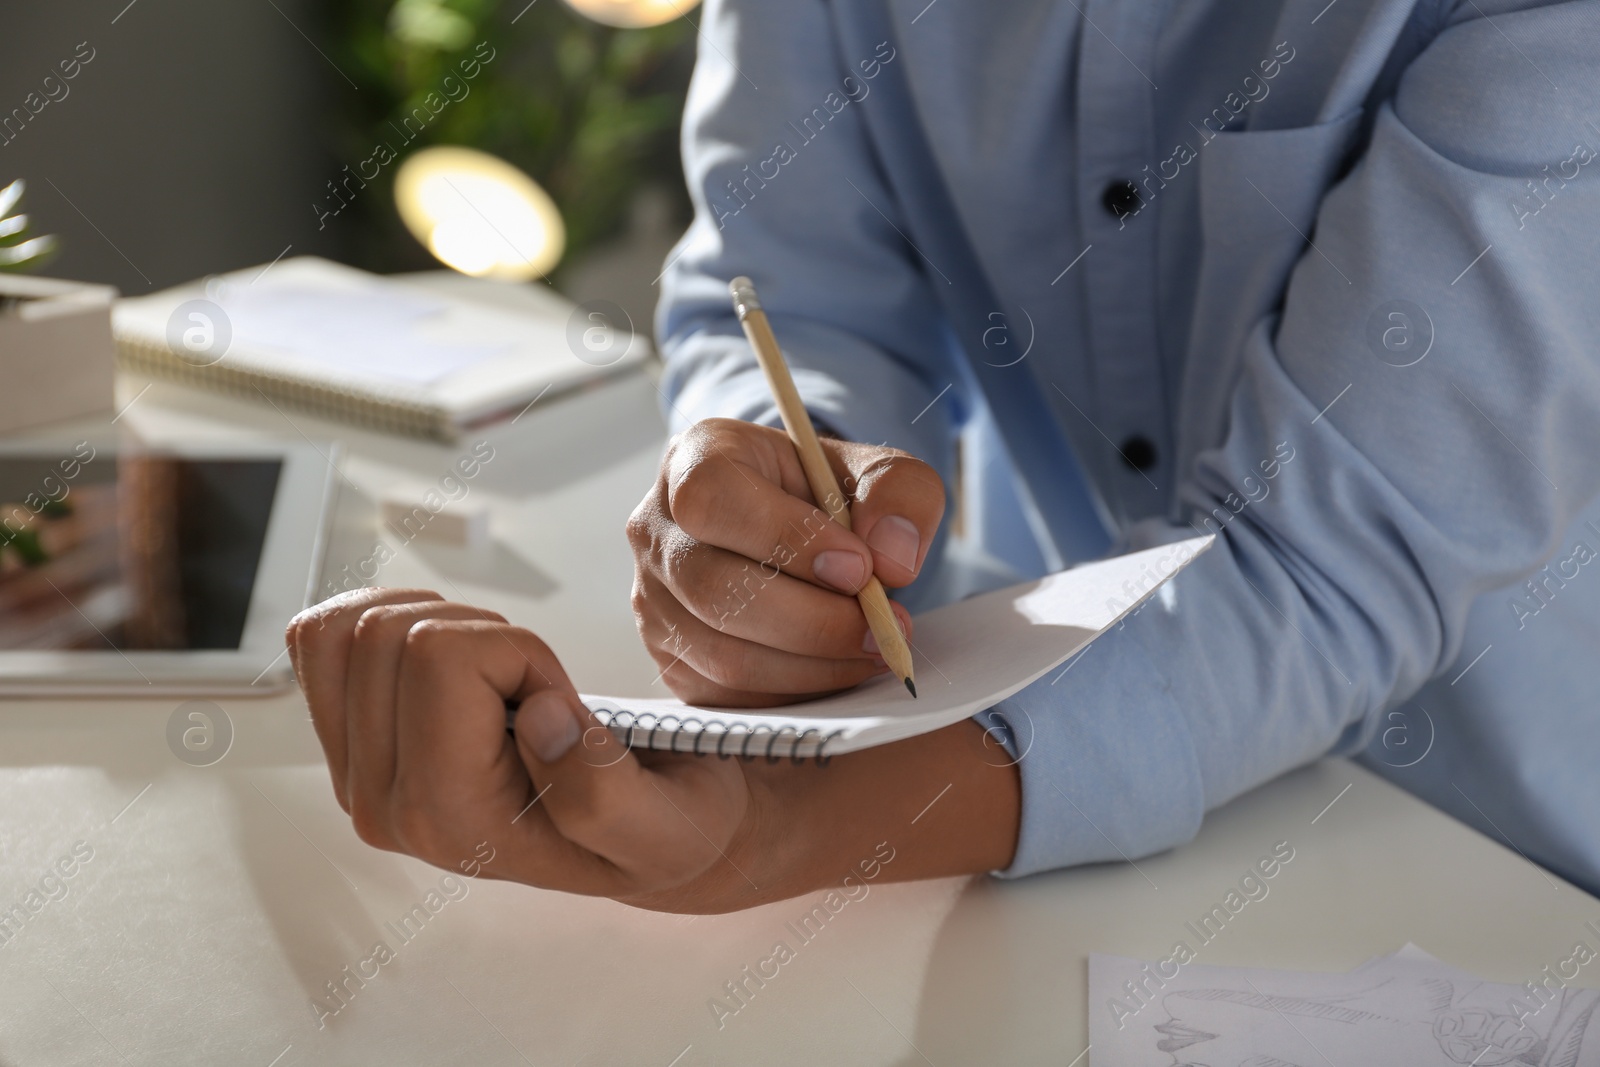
(142, 553)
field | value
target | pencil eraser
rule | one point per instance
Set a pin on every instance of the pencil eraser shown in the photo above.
(432, 517)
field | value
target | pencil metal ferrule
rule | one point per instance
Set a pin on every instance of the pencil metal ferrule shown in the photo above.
(743, 291)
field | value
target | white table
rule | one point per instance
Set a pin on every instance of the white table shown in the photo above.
(220, 900)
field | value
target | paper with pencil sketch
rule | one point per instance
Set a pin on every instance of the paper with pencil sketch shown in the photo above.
(1403, 1010)
(968, 656)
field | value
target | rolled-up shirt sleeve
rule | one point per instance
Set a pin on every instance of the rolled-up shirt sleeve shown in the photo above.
(1343, 583)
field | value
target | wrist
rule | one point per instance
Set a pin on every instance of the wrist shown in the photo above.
(945, 803)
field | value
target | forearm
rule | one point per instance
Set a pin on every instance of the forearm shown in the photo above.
(946, 803)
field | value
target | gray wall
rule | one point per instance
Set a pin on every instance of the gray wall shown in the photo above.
(190, 143)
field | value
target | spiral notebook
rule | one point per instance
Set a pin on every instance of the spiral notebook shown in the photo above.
(968, 656)
(389, 353)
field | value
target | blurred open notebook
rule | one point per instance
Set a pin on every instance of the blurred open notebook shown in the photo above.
(968, 656)
(381, 352)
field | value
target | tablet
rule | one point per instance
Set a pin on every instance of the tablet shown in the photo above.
(153, 572)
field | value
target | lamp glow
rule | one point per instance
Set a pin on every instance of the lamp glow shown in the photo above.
(632, 14)
(479, 214)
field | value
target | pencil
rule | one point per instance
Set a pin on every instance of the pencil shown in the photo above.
(819, 474)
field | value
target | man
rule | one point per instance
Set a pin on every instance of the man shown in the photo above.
(1314, 277)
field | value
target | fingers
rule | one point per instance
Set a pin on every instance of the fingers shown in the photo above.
(731, 594)
(739, 487)
(420, 688)
(454, 679)
(576, 809)
(744, 588)
(319, 640)
(691, 653)
(376, 645)
(458, 778)
(897, 502)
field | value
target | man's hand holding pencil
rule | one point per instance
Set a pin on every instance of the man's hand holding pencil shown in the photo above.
(744, 588)
(748, 538)
(752, 540)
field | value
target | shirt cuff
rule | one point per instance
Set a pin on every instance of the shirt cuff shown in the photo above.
(1109, 771)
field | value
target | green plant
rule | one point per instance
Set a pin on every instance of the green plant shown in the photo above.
(18, 251)
(589, 111)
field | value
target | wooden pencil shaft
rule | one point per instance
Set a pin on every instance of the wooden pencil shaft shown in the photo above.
(819, 473)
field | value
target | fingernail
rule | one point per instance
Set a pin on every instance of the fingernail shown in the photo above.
(552, 728)
(898, 539)
(844, 571)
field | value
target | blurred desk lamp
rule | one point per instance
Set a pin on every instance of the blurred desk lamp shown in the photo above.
(482, 216)
(632, 14)
(479, 214)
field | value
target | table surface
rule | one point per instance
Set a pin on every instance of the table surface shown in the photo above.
(219, 902)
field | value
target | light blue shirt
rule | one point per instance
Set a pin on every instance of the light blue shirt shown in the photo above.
(1350, 319)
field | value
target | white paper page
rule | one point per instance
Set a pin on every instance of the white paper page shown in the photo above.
(967, 657)
(374, 331)
(1411, 956)
(1394, 1012)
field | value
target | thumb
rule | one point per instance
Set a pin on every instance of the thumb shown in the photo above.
(897, 502)
(656, 829)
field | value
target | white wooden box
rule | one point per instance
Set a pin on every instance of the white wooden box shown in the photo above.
(57, 359)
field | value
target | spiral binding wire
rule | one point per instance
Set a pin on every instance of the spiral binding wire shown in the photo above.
(786, 740)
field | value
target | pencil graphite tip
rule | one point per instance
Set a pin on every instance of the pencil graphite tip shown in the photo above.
(911, 688)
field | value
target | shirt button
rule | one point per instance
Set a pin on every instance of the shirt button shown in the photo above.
(1121, 198)
(1138, 453)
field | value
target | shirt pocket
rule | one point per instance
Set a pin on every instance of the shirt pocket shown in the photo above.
(1259, 195)
(1266, 185)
